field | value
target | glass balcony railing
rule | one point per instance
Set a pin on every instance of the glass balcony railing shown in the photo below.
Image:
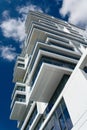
(51, 61)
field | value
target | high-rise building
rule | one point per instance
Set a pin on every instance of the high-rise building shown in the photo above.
(50, 92)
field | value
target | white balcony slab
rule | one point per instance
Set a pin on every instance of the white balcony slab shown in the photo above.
(47, 81)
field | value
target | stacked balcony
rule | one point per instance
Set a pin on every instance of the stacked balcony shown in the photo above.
(19, 101)
(46, 74)
(49, 62)
(20, 68)
(46, 81)
(33, 115)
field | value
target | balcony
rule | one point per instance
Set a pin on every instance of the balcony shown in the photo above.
(20, 68)
(19, 101)
(33, 116)
(46, 80)
(18, 107)
(20, 87)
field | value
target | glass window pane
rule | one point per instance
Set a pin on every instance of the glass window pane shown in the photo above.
(62, 122)
(66, 115)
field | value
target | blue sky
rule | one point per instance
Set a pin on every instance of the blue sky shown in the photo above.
(12, 17)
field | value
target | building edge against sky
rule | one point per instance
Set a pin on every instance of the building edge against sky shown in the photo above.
(50, 76)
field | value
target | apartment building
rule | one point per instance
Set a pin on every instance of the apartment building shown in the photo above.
(50, 76)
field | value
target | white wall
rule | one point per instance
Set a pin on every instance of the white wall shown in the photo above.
(75, 96)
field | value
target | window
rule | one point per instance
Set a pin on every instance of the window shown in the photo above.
(20, 59)
(57, 92)
(39, 123)
(60, 120)
(20, 98)
(20, 65)
(85, 69)
(20, 88)
(62, 123)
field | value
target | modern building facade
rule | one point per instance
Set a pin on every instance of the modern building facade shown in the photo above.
(50, 76)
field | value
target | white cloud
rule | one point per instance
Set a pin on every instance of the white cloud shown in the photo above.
(7, 53)
(5, 14)
(14, 27)
(77, 10)
(25, 9)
